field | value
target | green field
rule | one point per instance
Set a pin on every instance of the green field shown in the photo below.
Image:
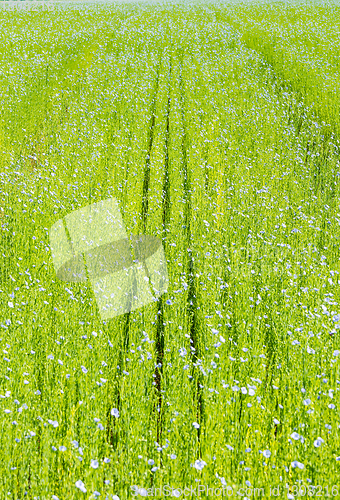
(215, 126)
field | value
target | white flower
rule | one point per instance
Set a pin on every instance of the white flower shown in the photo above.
(81, 486)
(199, 464)
(154, 469)
(83, 369)
(196, 425)
(307, 402)
(276, 421)
(173, 456)
(243, 390)
(115, 412)
(62, 448)
(151, 461)
(176, 493)
(336, 353)
(295, 436)
(266, 453)
(251, 392)
(115, 497)
(94, 464)
(235, 388)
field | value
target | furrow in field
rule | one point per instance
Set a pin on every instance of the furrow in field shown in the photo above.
(139, 202)
(193, 326)
(131, 188)
(166, 211)
(145, 199)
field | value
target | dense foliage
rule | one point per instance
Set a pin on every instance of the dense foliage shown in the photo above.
(215, 127)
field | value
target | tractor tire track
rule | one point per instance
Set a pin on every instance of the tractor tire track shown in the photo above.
(145, 198)
(192, 293)
(160, 318)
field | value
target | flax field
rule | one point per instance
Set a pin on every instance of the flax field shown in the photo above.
(215, 126)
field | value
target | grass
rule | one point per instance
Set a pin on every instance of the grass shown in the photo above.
(215, 143)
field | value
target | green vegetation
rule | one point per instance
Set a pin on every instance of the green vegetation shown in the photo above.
(215, 126)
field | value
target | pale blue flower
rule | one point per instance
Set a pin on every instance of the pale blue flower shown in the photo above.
(318, 442)
(199, 464)
(297, 464)
(81, 486)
